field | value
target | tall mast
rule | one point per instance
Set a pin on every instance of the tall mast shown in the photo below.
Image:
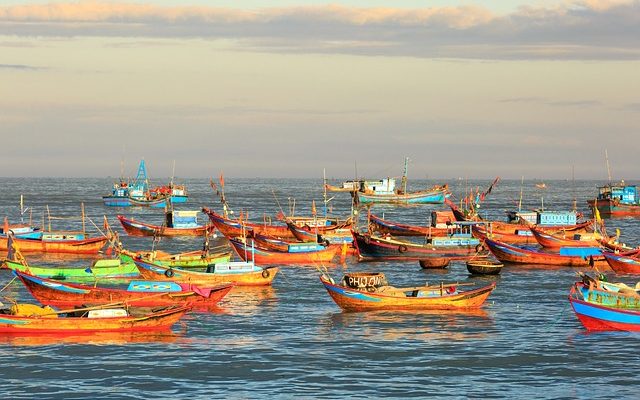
(520, 202)
(324, 187)
(173, 172)
(404, 175)
(573, 184)
(606, 157)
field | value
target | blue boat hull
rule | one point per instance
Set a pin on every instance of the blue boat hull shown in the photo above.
(597, 317)
(116, 201)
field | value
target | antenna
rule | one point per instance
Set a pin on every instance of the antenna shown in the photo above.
(573, 185)
(520, 202)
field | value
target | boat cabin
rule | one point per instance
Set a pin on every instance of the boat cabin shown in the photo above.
(624, 194)
(383, 186)
(544, 218)
(182, 219)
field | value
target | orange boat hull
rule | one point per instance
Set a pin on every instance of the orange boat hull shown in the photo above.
(86, 246)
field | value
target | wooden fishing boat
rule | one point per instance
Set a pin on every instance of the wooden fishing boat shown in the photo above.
(238, 273)
(560, 239)
(234, 228)
(137, 294)
(484, 266)
(192, 259)
(138, 192)
(384, 191)
(383, 226)
(568, 257)
(328, 235)
(362, 293)
(178, 223)
(434, 195)
(263, 256)
(595, 316)
(30, 319)
(617, 200)
(57, 242)
(105, 268)
(625, 263)
(459, 245)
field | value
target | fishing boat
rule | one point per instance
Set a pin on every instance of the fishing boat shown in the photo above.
(305, 254)
(483, 266)
(567, 256)
(57, 242)
(137, 294)
(562, 238)
(459, 244)
(617, 200)
(370, 291)
(235, 228)
(139, 193)
(191, 259)
(625, 263)
(31, 318)
(236, 272)
(177, 223)
(605, 307)
(441, 224)
(103, 268)
(384, 192)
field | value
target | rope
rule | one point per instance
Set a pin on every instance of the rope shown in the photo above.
(7, 285)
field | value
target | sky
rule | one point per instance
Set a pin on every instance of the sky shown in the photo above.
(288, 88)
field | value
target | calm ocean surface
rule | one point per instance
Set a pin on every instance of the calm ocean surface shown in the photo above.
(291, 340)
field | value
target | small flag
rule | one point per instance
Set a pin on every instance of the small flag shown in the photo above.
(11, 251)
(222, 179)
(313, 208)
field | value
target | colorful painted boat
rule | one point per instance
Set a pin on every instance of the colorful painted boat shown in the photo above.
(600, 317)
(238, 273)
(567, 257)
(234, 228)
(138, 192)
(617, 200)
(57, 242)
(456, 246)
(384, 226)
(262, 256)
(178, 223)
(626, 263)
(137, 294)
(561, 238)
(31, 319)
(105, 268)
(380, 296)
(192, 259)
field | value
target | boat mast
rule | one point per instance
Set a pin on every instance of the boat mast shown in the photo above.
(173, 172)
(324, 187)
(520, 202)
(404, 175)
(606, 157)
(573, 184)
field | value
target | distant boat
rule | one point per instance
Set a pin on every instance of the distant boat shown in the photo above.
(541, 185)
(138, 192)
(617, 200)
(384, 191)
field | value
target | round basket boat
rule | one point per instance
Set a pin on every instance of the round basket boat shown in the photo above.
(484, 267)
(434, 262)
(364, 280)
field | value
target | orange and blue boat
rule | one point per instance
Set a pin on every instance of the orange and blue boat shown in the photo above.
(33, 319)
(137, 294)
(367, 292)
(177, 223)
(236, 272)
(600, 309)
(300, 253)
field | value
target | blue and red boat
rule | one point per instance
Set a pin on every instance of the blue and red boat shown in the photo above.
(600, 309)
(617, 200)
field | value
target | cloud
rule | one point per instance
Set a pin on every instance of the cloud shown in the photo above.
(586, 29)
(20, 67)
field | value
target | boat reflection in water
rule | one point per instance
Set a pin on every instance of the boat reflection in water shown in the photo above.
(422, 325)
(248, 299)
(91, 338)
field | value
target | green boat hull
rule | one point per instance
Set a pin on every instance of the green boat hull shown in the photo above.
(184, 263)
(100, 269)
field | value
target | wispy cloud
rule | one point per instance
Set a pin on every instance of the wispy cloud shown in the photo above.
(20, 67)
(585, 29)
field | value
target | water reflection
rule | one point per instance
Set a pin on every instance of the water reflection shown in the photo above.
(410, 324)
(95, 338)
